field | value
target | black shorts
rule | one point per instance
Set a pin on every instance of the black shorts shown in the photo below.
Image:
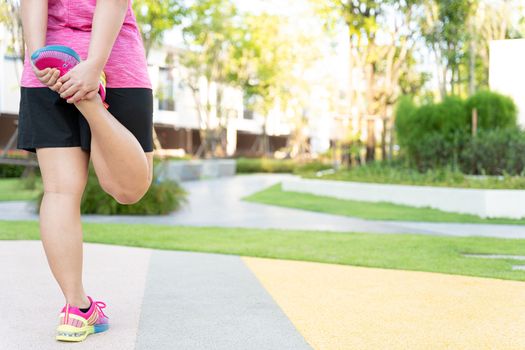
(46, 120)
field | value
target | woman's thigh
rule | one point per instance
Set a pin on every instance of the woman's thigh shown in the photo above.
(64, 169)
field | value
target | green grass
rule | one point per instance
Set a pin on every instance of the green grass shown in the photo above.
(274, 195)
(407, 252)
(13, 190)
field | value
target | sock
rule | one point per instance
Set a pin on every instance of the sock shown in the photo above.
(86, 309)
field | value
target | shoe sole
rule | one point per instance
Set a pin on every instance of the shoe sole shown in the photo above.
(77, 334)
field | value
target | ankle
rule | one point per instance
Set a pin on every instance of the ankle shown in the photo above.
(81, 302)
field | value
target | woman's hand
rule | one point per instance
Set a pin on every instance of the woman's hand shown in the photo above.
(80, 82)
(48, 77)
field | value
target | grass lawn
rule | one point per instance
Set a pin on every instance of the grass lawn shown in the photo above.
(13, 190)
(274, 195)
(407, 252)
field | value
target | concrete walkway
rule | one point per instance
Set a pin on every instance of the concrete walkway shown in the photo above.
(180, 300)
(217, 202)
(155, 300)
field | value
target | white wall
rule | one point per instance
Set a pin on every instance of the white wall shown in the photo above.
(10, 73)
(507, 71)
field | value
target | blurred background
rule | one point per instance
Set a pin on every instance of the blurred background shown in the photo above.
(424, 90)
(368, 133)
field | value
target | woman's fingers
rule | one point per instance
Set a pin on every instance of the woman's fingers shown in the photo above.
(56, 87)
(53, 79)
(79, 95)
(69, 91)
(65, 86)
(65, 77)
(47, 77)
(39, 73)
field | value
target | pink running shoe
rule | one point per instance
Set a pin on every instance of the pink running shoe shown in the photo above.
(75, 325)
(64, 59)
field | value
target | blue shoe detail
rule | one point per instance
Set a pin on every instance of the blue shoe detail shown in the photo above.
(101, 327)
(59, 48)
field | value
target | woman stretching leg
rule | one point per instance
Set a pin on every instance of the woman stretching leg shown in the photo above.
(63, 120)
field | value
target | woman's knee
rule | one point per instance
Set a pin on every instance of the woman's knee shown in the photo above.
(129, 197)
(127, 194)
(64, 170)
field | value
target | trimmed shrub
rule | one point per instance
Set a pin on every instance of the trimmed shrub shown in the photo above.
(395, 173)
(404, 115)
(264, 165)
(311, 167)
(431, 135)
(438, 135)
(9, 170)
(162, 198)
(270, 165)
(494, 110)
(495, 152)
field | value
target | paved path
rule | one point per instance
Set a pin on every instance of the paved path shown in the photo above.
(347, 307)
(181, 300)
(156, 300)
(217, 202)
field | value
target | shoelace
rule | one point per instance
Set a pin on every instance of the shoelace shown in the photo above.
(100, 305)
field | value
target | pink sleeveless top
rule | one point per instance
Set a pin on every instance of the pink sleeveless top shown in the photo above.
(69, 24)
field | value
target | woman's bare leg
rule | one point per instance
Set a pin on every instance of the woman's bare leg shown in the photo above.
(64, 175)
(122, 167)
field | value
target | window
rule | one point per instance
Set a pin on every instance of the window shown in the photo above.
(248, 114)
(165, 91)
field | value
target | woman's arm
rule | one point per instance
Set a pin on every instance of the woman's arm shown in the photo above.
(83, 80)
(34, 25)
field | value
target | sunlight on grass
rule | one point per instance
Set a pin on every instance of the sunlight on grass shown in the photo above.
(407, 252)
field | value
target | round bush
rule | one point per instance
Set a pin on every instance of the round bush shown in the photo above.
(494, 110)
(431, 135)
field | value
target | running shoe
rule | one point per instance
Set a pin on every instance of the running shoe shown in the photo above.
(75, 325)
(64, 59)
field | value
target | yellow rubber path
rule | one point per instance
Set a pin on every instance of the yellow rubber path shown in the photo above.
(350, 308)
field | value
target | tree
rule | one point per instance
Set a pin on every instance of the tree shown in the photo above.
(444, 28)
(381, 38)
(156, 17)
(271, 59)
(210, 37)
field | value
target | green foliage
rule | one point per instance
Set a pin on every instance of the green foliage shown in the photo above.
(270, 165)
(439, 134)
(162, 198)
(494, 110)
(155, 17)
(17, 189)
(495, 152)
(398, 173)
(264, 165)
(30, 182)
(431, 135)
(9, 170)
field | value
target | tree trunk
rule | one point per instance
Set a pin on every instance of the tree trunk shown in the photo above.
(472, 68)
(383, 140)
(370, 141)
